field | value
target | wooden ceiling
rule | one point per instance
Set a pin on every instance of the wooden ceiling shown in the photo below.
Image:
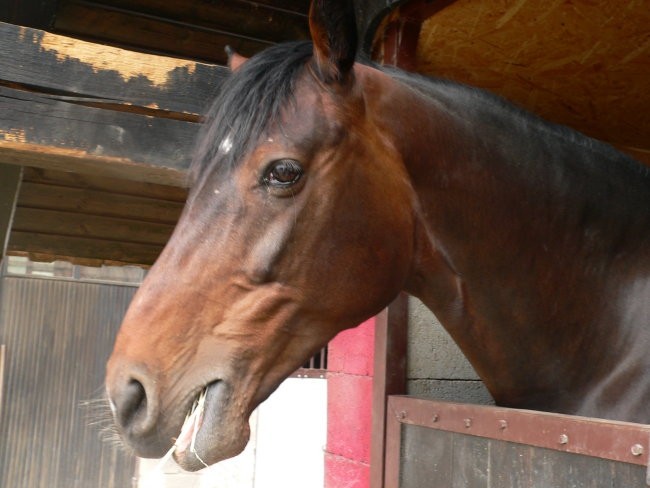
(193, 29)
(581, 63)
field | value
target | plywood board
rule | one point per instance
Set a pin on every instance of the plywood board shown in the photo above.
(585, 64)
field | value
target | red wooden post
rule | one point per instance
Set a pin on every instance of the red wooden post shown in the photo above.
(349, 407)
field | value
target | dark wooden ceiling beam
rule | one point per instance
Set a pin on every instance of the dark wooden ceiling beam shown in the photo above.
(251, 20)
(149, 32)
(39, 14)
(82, 107)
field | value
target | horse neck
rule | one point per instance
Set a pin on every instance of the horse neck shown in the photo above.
(502, 205)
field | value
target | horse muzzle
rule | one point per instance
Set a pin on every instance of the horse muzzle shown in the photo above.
(134, 399)
(217, 432)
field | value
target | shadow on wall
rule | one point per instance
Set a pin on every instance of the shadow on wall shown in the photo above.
(436, 367)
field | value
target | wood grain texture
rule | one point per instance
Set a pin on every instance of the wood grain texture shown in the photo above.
(92, 220)
(192, 29)
(55, 64)
(10, 177)
(46, 131)
(77, 106)
(585, 64)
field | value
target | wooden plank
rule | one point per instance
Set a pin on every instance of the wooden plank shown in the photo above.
(267, 22)
(10, 177)
(103, 204)
(389, 377)
(124, 28)
(32, 13)
(73, 248)
(104, 184)
(52, 63)
(46, 132)
(591, 73)
(90, 226)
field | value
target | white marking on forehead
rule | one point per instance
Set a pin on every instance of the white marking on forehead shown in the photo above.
(226, 145)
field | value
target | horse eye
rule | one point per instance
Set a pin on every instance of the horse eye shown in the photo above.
(283, 173)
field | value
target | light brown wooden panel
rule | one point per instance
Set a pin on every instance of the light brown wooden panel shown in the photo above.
(584, 63)
(53, 222)
(104, 184)
(92, 202)
(92, 252)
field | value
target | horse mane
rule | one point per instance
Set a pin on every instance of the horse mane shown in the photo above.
(489, 108)
(249, 100)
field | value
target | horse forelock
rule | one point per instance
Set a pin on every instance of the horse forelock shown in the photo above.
(249, 100)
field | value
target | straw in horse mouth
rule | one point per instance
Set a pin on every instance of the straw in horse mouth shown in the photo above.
(189, 430)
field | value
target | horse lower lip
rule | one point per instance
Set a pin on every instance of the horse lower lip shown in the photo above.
(188, 437)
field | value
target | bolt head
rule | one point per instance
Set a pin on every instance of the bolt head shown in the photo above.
(636, 449)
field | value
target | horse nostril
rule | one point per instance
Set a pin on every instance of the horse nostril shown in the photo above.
(131, 405)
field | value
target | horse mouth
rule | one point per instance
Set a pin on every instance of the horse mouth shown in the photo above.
(196, 432)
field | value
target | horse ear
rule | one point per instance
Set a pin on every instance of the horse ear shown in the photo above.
(333, 30)
(235, 60)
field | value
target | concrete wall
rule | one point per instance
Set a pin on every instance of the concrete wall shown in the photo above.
(436, 367)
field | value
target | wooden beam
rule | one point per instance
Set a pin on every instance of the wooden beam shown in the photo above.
(391, 338)
(9, 185)
(194, 28)
(32, 13)
(98, 203)
(53, 222)
(47, 247)
(49, 132)
(88, 108)
(54, 64)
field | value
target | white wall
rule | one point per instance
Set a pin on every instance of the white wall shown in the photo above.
(288, 435)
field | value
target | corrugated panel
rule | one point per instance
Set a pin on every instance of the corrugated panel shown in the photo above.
(58, 337)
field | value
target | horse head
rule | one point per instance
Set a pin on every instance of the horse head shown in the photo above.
(281, 245)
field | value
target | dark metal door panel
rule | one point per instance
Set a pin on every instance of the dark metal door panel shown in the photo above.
(58, 336)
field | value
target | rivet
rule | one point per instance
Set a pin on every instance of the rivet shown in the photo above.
(503, 424)
(564, 439)
(468, 423)
(402, 415)
(636, 449)
(435, 418)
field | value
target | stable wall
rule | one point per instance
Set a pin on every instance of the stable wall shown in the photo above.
(436, 368)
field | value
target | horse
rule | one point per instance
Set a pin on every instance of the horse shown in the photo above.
(323, 187)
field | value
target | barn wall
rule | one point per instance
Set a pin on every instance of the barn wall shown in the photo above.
(436, 368)
(58, 335)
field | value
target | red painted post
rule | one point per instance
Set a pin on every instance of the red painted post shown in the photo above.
(349, 407)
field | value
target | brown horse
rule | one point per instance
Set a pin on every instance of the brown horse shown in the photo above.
(324, 187)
